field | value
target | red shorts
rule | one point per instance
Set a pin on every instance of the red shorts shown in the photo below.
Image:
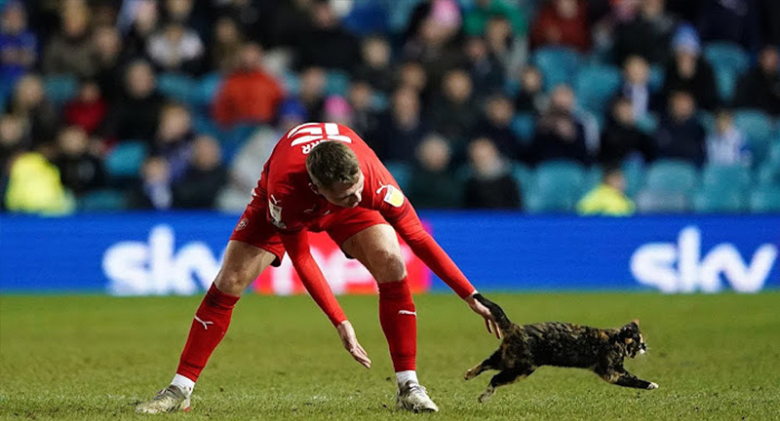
(255, 229)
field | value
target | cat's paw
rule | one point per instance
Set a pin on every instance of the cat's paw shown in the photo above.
(485, 396)
(652, 386)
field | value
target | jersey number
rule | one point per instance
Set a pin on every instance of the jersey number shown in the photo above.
(313, 132)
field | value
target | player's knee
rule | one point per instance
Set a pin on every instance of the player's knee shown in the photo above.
(388, 266)
(232, 281)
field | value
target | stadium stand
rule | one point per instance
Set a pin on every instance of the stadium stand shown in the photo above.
(494, 66)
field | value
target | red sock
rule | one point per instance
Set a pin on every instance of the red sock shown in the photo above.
(398, 318)
(208, 327)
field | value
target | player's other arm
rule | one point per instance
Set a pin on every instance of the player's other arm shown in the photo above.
(297, 246)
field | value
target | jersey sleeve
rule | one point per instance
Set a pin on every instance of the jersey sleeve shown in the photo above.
(386, 197)
(297, 246)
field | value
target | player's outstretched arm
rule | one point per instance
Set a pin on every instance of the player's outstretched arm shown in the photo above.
(408, 225)
(297, 246)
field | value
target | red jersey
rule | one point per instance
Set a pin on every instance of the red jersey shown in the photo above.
(294, 208)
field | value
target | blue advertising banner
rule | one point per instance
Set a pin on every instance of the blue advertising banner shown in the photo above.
(179, 253)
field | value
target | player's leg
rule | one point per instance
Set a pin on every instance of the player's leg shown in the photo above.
(242, 264)
(377, 248)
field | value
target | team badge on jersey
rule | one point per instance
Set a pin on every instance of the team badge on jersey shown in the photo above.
(275, 211)
(393, 196)
(242, 224)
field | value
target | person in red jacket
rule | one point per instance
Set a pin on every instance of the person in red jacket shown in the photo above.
(88, 110)
(249, 94)
(562, 23)
(323, 177)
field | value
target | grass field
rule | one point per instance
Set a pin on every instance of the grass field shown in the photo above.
(92, 358)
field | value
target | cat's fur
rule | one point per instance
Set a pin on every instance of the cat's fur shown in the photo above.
(527, 347)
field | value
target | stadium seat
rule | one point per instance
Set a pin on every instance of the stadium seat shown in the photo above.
(715, 200)
(178, 87)
(650, 201)
(595, 85)
(592, 178)
(634, 172)
(401, 172)
(291, 82)
(671, 176)
(647, 123)
(769, 174)
(765, 199)
(336, 83)
(558, 65)
(727, 56)
(727, 178)
(726, 83)
(657, 76)
(557, 187)
(125, 160)
(757, 126)
(207, 89)
(523, 125)
(524, 178)
(102, 201)
(60, 89)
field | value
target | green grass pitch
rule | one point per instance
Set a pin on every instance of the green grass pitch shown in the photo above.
(92, 358)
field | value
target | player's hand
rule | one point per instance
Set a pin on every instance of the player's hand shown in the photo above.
(351, 344)
(490, 322)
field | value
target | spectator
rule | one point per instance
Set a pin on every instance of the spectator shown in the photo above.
(18, 45)
(412, 74)
(434, 42)
(205, 176)
(174, 139)
(39, 116)
(337, 110)
(621, 138)
(176, 48)
(530, 97)
(680, 135)
(727, 144)
(400, 129)
(558, 134)
(376, 68)
(562, 23)
(646, 35)
(760, 88)
(12, 141)
(502, 44)
(476, 17)
(433, 183)
(88, 109)
(326, 44)
(34, 185)
(609, 197)
(110, 74)
(495, 125)
(312, 92)
(144, 23)
(72, 51)
(734, 21)
(154, 191)
(249, 94)
(769, 15)
(487, 72)
(136, 115)
(226, 45)
(454, 115)
(80, 170)
(491, 185)
(636, 86)
(361, 98)
(689, 72)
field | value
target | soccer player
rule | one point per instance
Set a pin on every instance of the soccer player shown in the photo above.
(323, 177)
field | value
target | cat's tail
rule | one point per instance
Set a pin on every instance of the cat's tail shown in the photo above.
(498, 313)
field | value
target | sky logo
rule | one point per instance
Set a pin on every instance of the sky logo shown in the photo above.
(681, 267)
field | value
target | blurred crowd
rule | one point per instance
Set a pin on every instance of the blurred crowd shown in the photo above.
(176, 104)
